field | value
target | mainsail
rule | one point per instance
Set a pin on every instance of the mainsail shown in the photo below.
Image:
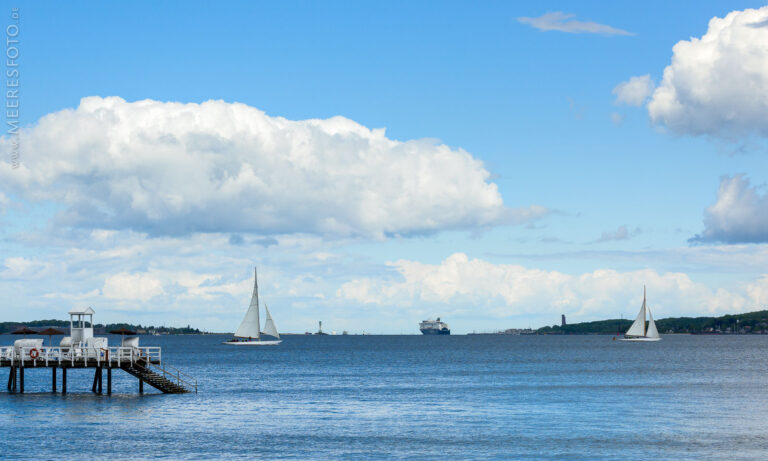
(638, 326)
(269, 326)
(249, 328)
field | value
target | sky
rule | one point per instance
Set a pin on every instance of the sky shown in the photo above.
(496, 164)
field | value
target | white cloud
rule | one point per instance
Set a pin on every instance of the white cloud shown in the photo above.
(740, 214)
(564, 22)
(759, 290)
(634, 91)
(24, 268)
(172, 168)
(506, 289)
(621, 233)
(87, 296)
(131, 287)
(718, 84)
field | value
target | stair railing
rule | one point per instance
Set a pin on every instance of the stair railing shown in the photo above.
(182, 379)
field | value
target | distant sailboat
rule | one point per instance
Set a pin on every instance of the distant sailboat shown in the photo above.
(637, 331)
(249, 334)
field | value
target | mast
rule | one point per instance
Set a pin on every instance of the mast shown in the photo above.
(644, 309)
(256, 295)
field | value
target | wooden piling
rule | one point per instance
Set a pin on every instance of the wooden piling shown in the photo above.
(21, 379)
(95, 380)
(53, 379)
(109, 380)
(101, 375)
(141, 386)
(63, 380)
(10, 378)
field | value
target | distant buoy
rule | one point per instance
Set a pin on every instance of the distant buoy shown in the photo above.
(614, 338)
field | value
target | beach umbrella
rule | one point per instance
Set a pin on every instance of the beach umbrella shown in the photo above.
(122, 332)
(49, 332)
(24, 331)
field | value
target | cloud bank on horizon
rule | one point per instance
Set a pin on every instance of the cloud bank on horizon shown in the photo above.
(171, 168)
(500, 288)
(212, 279)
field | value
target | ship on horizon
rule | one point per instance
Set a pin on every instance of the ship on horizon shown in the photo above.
(434, 327)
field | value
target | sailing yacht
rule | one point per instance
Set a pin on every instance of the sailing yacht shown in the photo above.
(249, 334)
(637, 331)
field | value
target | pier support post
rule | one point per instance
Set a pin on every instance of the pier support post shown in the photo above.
(109, 380)
(21, 379)
(101, 376)
(63, 380)
(95, 380)
(141, 386)
(53, 380)
(11, 375)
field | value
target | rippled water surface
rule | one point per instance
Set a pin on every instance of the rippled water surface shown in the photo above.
(533, 397)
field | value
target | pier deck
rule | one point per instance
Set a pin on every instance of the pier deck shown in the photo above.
(145, 363)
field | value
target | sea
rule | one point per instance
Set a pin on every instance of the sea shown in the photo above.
(411, 397)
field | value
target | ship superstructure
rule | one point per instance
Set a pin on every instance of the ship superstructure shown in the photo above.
(434, 327)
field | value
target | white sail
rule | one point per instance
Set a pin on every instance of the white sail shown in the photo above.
(638, 326)
(652, 331)
(249, 328)
(269, 326)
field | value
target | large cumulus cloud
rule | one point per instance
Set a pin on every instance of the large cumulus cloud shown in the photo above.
(740, 214)
(172, 168)
(718, 84)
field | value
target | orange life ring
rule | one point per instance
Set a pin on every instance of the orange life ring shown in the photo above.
(34, 353)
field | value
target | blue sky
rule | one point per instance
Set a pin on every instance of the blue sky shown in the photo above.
(570, 202)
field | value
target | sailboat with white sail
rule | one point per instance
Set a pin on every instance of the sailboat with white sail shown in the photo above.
(638, 332)
(249, 333)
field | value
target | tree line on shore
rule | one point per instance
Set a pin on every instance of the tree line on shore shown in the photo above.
(748, 323)
(98, 328)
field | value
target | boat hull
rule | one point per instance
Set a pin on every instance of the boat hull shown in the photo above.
(435, 331)
(640, 340)
(252, 343)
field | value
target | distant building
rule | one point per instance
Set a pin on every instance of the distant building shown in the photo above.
(518, 331)
(562, 320)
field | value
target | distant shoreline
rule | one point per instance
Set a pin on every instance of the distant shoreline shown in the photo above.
(748, 323)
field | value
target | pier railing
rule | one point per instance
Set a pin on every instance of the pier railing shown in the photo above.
(78, 355)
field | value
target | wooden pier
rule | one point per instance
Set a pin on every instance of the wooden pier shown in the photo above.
(144, 363)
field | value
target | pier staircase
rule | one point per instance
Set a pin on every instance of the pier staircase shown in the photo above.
(160, 377)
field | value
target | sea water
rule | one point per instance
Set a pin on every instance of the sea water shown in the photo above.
(422, 397)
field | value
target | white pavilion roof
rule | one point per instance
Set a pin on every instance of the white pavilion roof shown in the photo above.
(82, 310)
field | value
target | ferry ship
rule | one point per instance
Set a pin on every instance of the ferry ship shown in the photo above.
(434, 327)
